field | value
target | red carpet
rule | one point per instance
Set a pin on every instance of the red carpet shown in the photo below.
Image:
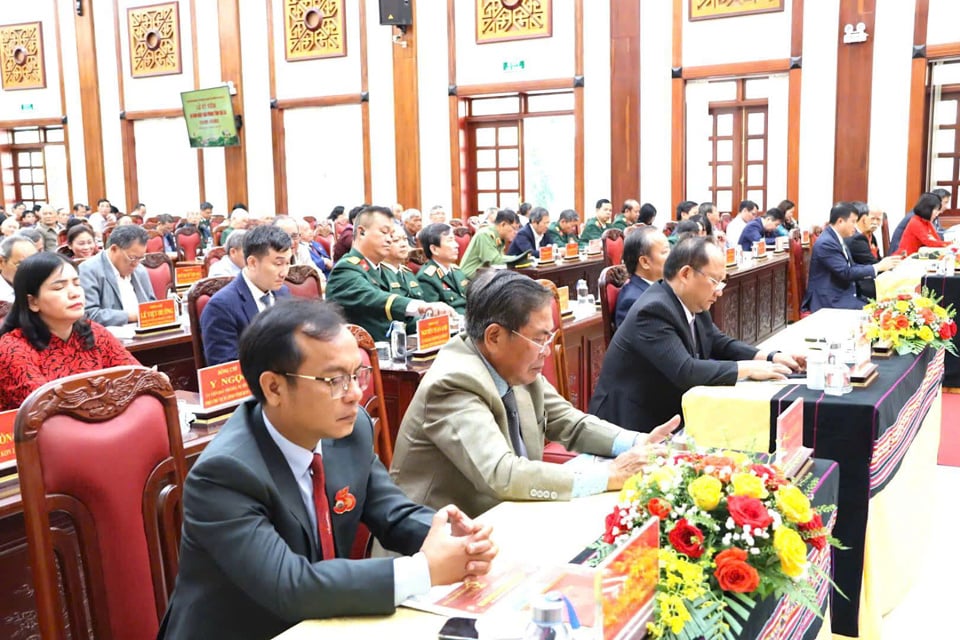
(949, 454)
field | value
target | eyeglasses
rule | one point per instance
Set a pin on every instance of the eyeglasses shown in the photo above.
(718, 285)
(134, 259)
(339, 385)
(540, 344)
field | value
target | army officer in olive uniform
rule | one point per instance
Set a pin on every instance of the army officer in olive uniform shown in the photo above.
(356, 283)
(396, 274)
(598, 224)
(440, 278)
(490, 242)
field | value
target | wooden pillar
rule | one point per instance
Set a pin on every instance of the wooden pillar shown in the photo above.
(624, 101)
(793, 103)
(854, 85)
(90, 103)
(917, 132)
(677, 151)
(231, 66)
(406, 115)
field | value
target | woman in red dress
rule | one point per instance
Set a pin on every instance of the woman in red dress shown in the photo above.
(45, 336)
(920, 231)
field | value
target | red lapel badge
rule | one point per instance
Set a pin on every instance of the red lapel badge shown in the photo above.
(345, 501)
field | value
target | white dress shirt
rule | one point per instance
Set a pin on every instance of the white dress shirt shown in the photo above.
(257, 293)
(223, 268)
(128, 295)
(6, 291)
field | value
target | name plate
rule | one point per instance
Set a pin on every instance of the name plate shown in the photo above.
(626, 582)
(760, 249)
(783, 243)
(222, 384)
(157, 314)
(564, 294)
(595, 246)
(8, 453)
(731, 256)
(805, 237)
(186, 275)
(546, 253)
(791, 455)
(433, 333)
(572, 250)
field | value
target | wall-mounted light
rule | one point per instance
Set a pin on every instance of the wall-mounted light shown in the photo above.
(855, 34)
(79, 7)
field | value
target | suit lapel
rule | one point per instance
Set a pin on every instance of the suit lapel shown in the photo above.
(680, 319)
(529, 427)
(109, 275)
(247, 302)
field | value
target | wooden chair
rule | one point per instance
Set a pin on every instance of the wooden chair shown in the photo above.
(107, 230)
(212, 257)
(216, 219)
(885, 235)
(154, 242)
(373, 400)
(188, 241)
(304, 281)
(4, 310)
(137, 218)
(62, 237)
(218, 232)
(416, 259)
(103, 450)
(463, 236)
(326, 242)
(669, 227)
(612, 240)
(611, 280)
(197, 298)
(555, 371)
(796, 280)
(159, 267)
(311, 220)
(725, 219)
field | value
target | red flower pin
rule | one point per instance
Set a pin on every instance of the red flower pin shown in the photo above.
(345, 501)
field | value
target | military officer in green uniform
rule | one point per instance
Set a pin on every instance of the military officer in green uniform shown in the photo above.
(628, 216)
(440, 279)
(396, 274)
(357, 285)
(565, 228)
(488, 243)
(598, 224)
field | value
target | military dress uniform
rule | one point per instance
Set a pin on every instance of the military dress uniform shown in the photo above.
(485, 249)
(591, 231)
(621, 222)
(367, 300)
(563, 239)
(401, 280)
(443, 285)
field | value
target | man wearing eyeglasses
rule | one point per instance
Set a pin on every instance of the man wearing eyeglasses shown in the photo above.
(114, 281)
(668, 343)
(273, 505)
(475, 430)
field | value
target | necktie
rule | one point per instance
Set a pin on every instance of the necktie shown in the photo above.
(693, 333)
(322, 507)
(267, 300)
(513, 423)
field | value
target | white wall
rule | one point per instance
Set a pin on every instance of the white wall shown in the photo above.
(208, 54)
(380, 84)
(435, 172)
(256, 107)
(596, 108)
(71, 83)
(943, 16)
(165, 159)
(46, 101)
(656, 95)
(107, 74)
(763, 36)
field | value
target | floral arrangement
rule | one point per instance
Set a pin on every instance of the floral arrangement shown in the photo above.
(912, 322)
(732, 532)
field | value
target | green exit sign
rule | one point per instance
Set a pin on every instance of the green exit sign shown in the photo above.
(26, 107)
(518, 65)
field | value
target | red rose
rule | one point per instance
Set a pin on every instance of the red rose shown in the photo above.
(945, 331)
(613, 521)
(737, 575)
(729, 555)
(659, 507)
(687, 539)
(814, 532)
(904, 296)
(749, 511)
(902, 322)
(953, 329)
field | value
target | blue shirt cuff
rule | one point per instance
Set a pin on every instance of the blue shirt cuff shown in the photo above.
(411, 577)
(624, 441)
(590, 481)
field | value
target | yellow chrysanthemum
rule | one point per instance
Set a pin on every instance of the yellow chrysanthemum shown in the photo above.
(902, 306)
(747, 484)
(923, 302)
(794, 505)
(791, 550)
(925, 333)
(664, 478)
(706, 492)
(940, 311)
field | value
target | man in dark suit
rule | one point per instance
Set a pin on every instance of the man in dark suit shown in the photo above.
(863, 246)
(833, 274)
(266, 255)
(644, 253)
(534, 235)
(271, 508)
(668, 344)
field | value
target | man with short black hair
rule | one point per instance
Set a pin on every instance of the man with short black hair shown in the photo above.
(644, 253)
(273, 505)
(206, 232)
(648, 213)
(534, 235)
(98, 219)
(13, 250)
(748, 211)
(474, 432)
(863, 247)
(114, 281)
(833, 275)
(266, 255)
(488, 243)
(396, 275)
(764, 228)
(565, 228)
(440, 279)
(668, 344)
(629, 215)
(596, 225)
(686, 209)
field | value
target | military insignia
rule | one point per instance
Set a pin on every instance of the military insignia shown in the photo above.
(464, 282)
(344, 501)
(430, 270)
(414, 283)
(394, 285)
(353, 259)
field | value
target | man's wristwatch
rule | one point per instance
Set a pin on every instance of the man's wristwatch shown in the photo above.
(771, 355)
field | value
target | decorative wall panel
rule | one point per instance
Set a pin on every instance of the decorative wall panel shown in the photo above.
(314, 29)
(154, 40)
(499, 20)
(21, 56)
(708, 9)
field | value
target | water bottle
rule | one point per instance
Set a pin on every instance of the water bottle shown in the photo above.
(547, 622)
(816, 366)
(398, 341)
(836, 376)
(582, 291)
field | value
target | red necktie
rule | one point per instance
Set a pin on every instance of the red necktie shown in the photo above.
(322, 507)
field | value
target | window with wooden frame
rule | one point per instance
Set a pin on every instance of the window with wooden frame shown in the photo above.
(519, 147)
(26, 154)
(944, 143)
(738, 140)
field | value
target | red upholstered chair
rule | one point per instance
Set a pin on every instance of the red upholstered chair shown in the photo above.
(102, 450)
(107, 230)
(463, 236)
(188, 241)
(311, 220)
(137, 218)
(612, 240)
(218, 232)
(212, 257)
(796, 280)
(216, 219)
(303, 280)
(669, 227)
(325, 241)
(159, 267)
(725, 219)
(197, 298)
(374, 402)
(155, 242)
(416, 259)
(62, 237)
(611, 280)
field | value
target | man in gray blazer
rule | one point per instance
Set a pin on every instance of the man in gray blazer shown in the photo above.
(114, 282)
(474, 432)
(272, 506)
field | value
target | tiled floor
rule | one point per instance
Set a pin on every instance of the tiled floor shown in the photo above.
(930, 608)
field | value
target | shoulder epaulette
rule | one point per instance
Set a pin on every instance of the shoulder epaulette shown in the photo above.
(353, 259)
(432, 269)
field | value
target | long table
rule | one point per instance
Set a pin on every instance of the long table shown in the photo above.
(170, 351)
(949, 288)
(885, 439)
(572, 526)
(566, 273)
(754, 303)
